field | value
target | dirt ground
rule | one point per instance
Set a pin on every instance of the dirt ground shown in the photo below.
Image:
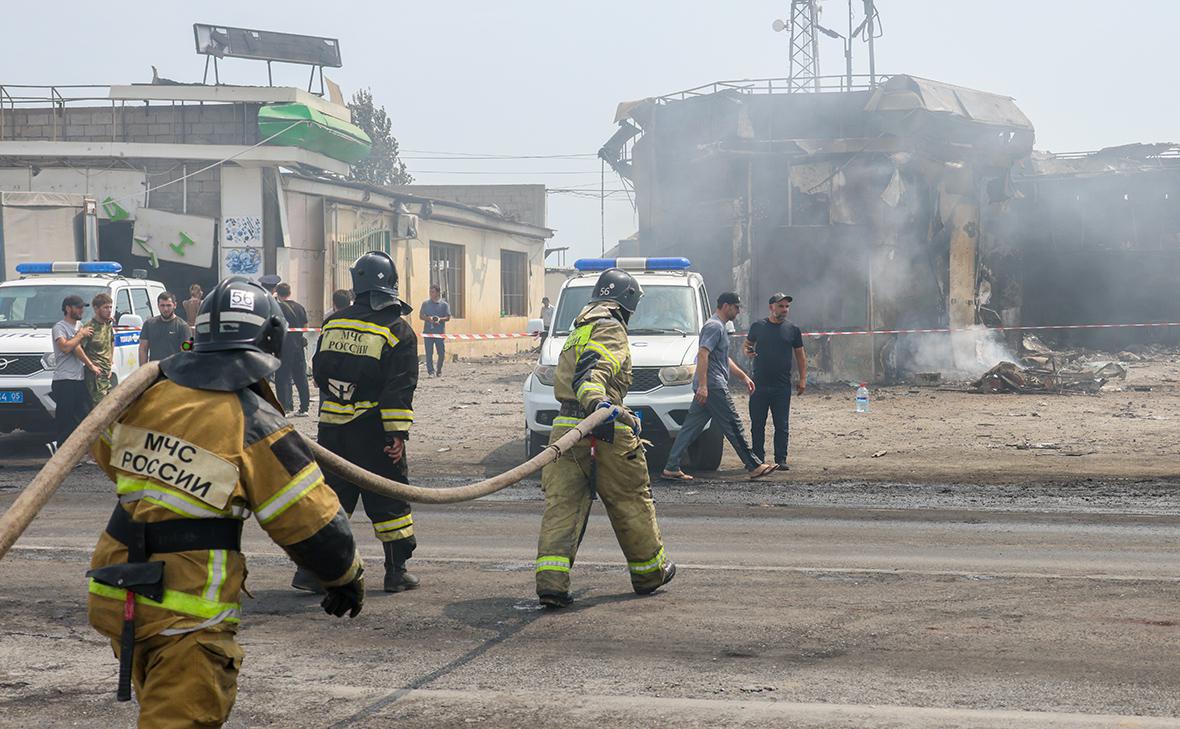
(471, 422)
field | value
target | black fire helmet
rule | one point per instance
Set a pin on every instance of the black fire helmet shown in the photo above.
(238, 314)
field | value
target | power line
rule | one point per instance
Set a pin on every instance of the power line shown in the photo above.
(492, 155)
(501, 172)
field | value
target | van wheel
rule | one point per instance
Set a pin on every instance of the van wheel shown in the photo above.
(705, 453)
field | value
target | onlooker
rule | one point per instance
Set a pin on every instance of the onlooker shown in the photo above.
(192, 304)
(546, 313)
(69, 384)
(712, 401)
(772, 343)
(341, 299)
(99, 347)
(294, 358)
(163, 336)
(436, 312)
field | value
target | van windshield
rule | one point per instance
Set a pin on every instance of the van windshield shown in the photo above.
(39, 307)
(662, 310)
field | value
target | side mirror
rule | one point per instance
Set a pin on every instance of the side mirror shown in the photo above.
(535, 326)
(131, 320)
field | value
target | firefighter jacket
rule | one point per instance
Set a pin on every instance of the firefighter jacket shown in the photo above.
(366, 366)
(595, 363)
(205, 445)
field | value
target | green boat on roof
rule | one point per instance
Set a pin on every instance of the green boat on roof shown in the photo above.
(299, 125)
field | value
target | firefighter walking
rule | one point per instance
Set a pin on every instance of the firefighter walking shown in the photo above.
(202, 449)
(366, 366)
(594, 371)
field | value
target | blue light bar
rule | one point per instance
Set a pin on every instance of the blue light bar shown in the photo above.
(70, 267)
(632, 264)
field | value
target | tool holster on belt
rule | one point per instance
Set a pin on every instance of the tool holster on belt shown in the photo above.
(141, 577)
(604, 432)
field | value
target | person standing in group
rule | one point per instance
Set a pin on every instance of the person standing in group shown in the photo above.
(546, 313)
(341, 298)
(100, 347)
(594, 371)
(164, 335)
(192, 304)
(435, 312)
(712, 400)
(773, 343)
(366, 366)
(198, 452)
(294, 354)
(71, 401)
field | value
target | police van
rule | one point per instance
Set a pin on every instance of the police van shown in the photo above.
(31, 305)
(663, 336)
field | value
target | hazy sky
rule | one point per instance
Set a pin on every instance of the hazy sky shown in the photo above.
(542, 77)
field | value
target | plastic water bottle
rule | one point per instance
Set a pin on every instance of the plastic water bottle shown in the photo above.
(862, 398)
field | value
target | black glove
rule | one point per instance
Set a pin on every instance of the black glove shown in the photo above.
(346, 598)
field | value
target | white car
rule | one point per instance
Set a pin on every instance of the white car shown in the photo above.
(663, 335)
(31, 305)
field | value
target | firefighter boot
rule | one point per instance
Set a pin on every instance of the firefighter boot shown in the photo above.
(306, 581)
(668, 571)
(396, 577)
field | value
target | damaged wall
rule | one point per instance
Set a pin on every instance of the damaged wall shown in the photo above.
(865, 206)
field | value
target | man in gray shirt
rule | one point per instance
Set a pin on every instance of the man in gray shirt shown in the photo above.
(712, 400)
(163, 336)
(70, 398)
(435, 312)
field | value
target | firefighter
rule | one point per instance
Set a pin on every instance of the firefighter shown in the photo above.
(198, 452)
(366, 366)
(594, 371)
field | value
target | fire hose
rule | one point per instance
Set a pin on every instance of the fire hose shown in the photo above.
(34, 496)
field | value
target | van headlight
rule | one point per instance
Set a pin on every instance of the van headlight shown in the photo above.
(681, 375)
(49, 361)
(545, 374)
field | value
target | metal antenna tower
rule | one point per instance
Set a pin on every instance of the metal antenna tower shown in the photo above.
(804, 74)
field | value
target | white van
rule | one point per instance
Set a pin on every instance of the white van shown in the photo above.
(663, 335)
(31, 305)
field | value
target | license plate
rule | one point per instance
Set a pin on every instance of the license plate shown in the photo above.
(12, 396)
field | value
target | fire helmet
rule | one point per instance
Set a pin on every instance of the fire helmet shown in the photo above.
(238, 314)
(617, 285)
(374, 273)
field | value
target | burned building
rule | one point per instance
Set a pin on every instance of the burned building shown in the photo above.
(1098, 234)
(871, 207)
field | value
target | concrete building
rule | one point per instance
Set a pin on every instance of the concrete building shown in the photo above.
(188, 190)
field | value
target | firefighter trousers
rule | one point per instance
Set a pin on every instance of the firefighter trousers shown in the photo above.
(362, 443)
(621, 481)
(187, 680)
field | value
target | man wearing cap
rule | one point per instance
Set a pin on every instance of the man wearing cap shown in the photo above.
(772, 343)
(712, 401)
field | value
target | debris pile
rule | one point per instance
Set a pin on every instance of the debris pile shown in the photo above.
(1044, 370)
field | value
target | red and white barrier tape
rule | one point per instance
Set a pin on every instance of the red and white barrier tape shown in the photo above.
(939, 330)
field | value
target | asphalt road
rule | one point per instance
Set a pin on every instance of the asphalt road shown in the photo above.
(797, 605)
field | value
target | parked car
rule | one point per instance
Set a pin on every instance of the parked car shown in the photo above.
(31, 305)
(663, 336)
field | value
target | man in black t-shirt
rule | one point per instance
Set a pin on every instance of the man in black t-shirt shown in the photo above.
(772, 343)
(294, 367)
(164, 335)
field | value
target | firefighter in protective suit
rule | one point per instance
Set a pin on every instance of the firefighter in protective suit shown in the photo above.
(594, 371)
(366, 366)
(198, 452)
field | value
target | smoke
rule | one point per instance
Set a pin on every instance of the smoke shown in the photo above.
(956, 355)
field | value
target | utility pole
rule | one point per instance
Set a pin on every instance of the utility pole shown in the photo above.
(870, 18)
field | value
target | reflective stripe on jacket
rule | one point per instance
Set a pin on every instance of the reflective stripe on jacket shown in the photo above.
(366, 365)
(184, 453)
